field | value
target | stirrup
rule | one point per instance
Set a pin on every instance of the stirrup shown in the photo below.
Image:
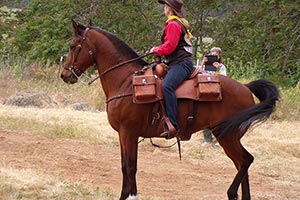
(169, 134)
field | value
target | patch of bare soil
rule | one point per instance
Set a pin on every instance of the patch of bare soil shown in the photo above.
(160, 173)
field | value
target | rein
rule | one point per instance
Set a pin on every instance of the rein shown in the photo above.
(165, 147)
(117, 66)
(73, 68)
(90, 80)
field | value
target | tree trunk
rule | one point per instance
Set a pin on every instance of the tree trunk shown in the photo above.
(201, 33)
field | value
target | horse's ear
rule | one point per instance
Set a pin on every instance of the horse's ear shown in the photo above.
(81, 28)
(75, 27)
(78, 28)
(90, 23)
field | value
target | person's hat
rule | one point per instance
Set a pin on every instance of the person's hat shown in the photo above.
(176, 5)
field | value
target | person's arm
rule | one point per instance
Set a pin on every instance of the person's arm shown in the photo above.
(173, 32)
(204, 60)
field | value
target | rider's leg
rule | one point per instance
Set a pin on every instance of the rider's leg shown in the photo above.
(176, 75)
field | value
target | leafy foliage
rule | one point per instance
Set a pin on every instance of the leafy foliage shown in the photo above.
(260, 39)
(44, 30)
(266, 33)
(7, 19)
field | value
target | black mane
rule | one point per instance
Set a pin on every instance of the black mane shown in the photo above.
(121, 45)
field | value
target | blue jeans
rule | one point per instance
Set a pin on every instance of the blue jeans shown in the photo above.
(177, 74)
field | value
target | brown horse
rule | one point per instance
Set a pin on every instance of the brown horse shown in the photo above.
(229, 119)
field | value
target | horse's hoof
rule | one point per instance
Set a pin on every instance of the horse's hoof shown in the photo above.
(133, 197)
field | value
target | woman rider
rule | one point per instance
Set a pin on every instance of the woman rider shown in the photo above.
(177, 49)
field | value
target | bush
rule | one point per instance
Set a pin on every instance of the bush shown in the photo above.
(288, 108)
(268, 35)
(263, 43)
(44, 29)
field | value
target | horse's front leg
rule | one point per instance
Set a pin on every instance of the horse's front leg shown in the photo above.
(129, 148)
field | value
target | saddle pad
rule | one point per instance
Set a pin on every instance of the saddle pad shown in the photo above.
(188, 90)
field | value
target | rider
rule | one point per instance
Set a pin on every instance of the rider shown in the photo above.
(177, 49)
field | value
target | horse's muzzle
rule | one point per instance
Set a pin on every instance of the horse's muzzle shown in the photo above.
(68, 78)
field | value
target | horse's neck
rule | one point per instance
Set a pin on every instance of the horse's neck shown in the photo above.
(117, 81)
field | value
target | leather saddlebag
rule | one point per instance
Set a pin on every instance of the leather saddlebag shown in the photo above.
(209, 87)
(144, 88)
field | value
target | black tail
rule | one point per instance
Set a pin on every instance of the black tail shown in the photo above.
(267, 93)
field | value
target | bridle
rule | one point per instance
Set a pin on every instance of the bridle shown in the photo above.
(73, 68)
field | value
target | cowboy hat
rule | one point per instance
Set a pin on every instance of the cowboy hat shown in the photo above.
(176, 5)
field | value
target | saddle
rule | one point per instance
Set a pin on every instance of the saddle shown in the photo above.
(147, 89)
(201, 86)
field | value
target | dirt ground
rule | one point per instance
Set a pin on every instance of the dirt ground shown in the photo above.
(160, 173)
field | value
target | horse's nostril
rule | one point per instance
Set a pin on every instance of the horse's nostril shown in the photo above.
(62, 76)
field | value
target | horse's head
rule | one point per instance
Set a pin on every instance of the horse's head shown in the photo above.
(80, 56)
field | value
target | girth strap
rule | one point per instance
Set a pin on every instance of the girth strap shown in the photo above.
(156, 117)
(153, 119)
(190, 121)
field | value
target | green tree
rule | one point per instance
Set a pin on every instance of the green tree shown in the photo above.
(202, 15)
(259, 38)
(265, 32)
(44, 29)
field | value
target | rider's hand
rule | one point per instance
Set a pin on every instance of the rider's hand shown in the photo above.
(158, 58)
(152, 49)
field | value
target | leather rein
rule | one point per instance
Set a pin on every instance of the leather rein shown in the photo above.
(73, 68)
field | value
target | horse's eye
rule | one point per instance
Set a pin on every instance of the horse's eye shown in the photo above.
(72, 47)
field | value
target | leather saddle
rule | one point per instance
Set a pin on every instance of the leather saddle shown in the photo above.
(147, 88)
(201, 86)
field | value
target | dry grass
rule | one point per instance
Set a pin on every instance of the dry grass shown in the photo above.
(65, 123)
(289, 107)
(275, 144)
(29, 184)
(37, 79)
(276, 147)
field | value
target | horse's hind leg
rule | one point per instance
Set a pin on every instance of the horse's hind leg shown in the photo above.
(245, 181)
(242, 160)
(129, 148)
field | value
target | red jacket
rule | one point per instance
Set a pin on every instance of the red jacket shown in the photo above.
(173, 32)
